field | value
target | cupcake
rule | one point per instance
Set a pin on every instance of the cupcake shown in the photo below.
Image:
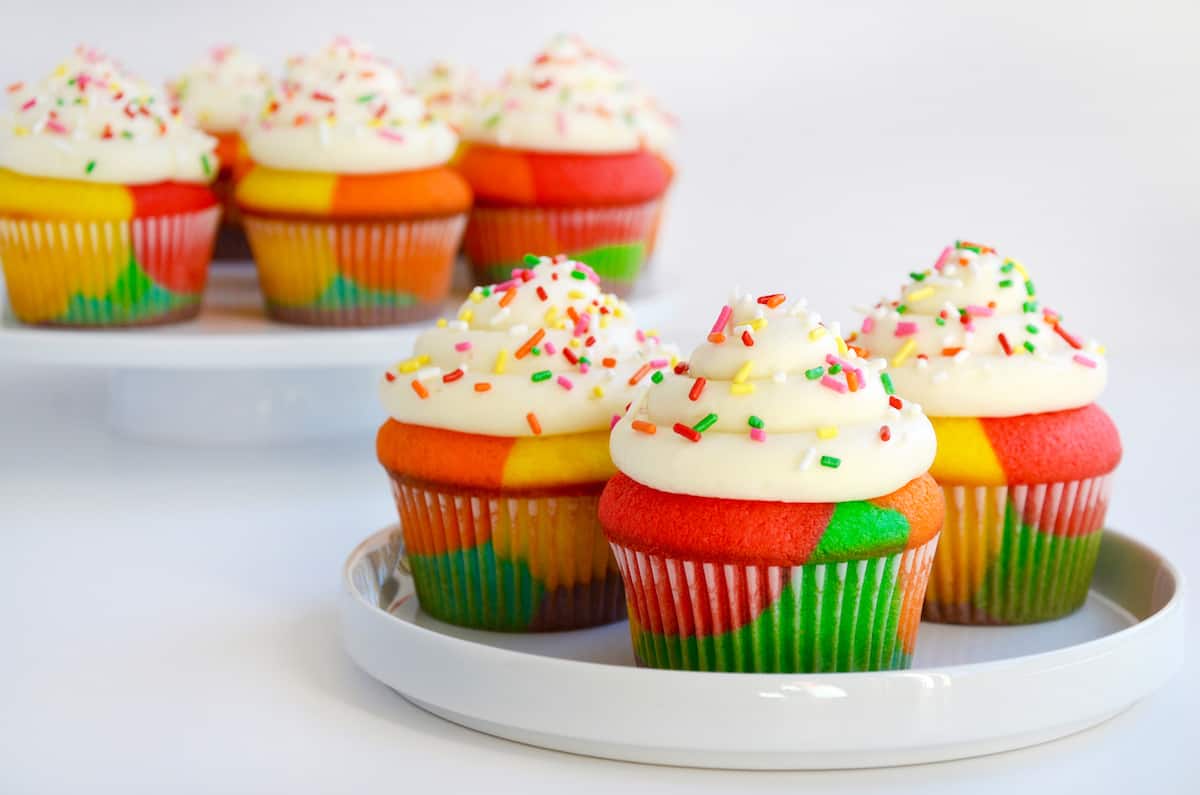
(353, 217)
(220, 93)
(1024, 453)
(772, 510)
(106, 215)
(559, 160)
(497, 449)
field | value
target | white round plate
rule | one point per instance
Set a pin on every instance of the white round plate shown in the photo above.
(972, 690)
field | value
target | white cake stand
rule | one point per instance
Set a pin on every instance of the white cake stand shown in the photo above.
(232, 376)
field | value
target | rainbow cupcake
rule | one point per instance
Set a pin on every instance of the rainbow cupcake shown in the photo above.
(1025, 456)
(497, 449)
(773, 510)
(559, 160)
(106, 217)
(353, 217)
(220, 94)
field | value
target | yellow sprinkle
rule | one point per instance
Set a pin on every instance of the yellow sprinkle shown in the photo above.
(674, 360)
(563, 325)
(575, 294)
(905, 351)
(1101, 349)
(618, 311)
(917, 295)
(375, 123)
(476, 296)
(20, 131)
(604, 321)
(651, 332)
(741, 389)
(551, 315)
(758, 323)
(743, 372)
(841, 343)
(574, 342)
(467, 315)
(501, 361)
(816, 333)
(415, 363)
(1020, 268)
(441, 322)
(597, 391)
(827, 432)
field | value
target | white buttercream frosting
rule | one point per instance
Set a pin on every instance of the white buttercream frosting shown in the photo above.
(969, 337)
(571, 98)
(785, 412)
(547, 343)
(222, 91)
(451, 92)
(346, 110)
(90, 120)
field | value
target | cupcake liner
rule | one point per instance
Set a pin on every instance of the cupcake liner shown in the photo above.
(1017, 554)
(527, 562)
(354, 273)
(129, 272)
(859, 615)
(614, 241)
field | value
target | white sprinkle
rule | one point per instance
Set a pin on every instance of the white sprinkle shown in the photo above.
(519, 330)
(962, 356)
(939, 376)
(457, 325)
(836, 329)
(779, 377)
(948, 341)
(426, 373)
(968, 338)
(500, 316)
(807, 460)
(922, 364)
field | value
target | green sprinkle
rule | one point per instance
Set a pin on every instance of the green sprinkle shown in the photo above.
(541, 375)
(532, 259)
(1005, 282)
(830, 461)
(941, 321)
(961, 246)
(491, 121)
(704, 424)
(834, 369)
(365, 98)
(1032, 329)
(90, 167)
(585, 360)
(917, 277)
(900, 310)
(536, 351)
(755, 421)
(580, 275)
(1029, 306)
(486, 291)
(1029, 288)
(1029, 346)
(127, 135)
(1007, 266)
(814, 374)
(207, 166)
(886, 380)
(657, 377)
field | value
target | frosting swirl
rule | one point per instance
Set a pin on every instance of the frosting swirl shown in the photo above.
(347, 111)
(451, 92)
(222, 91)
(571, 98)
(544, 353)
(774, 406)
(969, 338)
(90, 120)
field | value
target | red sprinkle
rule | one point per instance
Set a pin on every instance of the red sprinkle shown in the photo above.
(589, 342)
(570, 356)
(526, 274)
(1004, 344)
(747, 339)
(885, 434)
(773, 300)
(389, 376)
(686, 432)
(644, 427)
(641, 373)
(895, 402)
(420, 389)
(681, 368)
(697, 388)
(453, 375)
(541, 293)
(1070, 338)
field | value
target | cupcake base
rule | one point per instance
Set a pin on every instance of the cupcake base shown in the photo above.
(520, 562)
(1017, 554)
(849, 616)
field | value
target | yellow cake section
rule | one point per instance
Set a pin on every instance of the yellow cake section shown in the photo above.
(964, 453)
(23, 196)
(542, 461)
(287, 192)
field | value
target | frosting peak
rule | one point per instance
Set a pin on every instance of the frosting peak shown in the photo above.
(571, 98)
(345, 110)
(969, 337)
(451, 92)
(774, 406)
(546, 352)
(90, 120)
(221, 91)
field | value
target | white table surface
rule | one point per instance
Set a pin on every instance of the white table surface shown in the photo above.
(169, 625)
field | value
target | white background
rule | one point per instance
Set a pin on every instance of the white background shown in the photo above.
(170, 612)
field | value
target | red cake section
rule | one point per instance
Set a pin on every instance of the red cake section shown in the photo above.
(166, 198)
(511, 177)
(1055, 446)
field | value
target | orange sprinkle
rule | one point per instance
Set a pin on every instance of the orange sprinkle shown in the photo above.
(862, 352)
(852, 380)
(644, 427)
(641, 373)
(482, 386)
(573, 314)
(608, 361)
(534, 425)
(716, 338)
(950, 351)
(964, 261)
(524, 350)
(420, 389)
(509, 295)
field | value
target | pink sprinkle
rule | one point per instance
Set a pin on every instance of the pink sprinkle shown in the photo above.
(659, 364)
(616, 418)
(56, 127)
(758, 435)
(947, 253)
(560, 123)
(390, 135)
(868, 325)
(549, 348)
(1085, 361)
(462, 346)
(830, 382)
(975, 310)
(564, 382)
(29, 104)
(499, 288)
(583, 368)
(906, 328)
(581, 325)
(831, 359)
(722, 319)
(641, 335)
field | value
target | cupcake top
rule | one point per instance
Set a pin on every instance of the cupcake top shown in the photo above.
(90, 120)
(571, 98)
(222, 91)
(774, 406)
(450, 91)
(544, 353)
(347, 111)
(970, 338)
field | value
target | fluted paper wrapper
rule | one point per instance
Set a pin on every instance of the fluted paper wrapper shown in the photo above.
(1017, 554)
(354, 273)
(521, 562)
(859, 615)
(128, 272)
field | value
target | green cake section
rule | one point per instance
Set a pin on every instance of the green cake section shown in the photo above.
(861, 529)
(828, 617)
(471, 587)
(345, 293)
(621, 262)
(133, 298)
(1036, 576)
